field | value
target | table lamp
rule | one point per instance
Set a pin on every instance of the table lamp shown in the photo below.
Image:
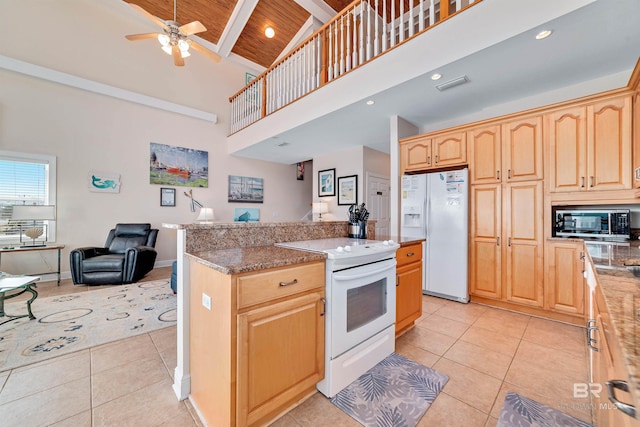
(206, 215)
(33, 213)
(320, 208)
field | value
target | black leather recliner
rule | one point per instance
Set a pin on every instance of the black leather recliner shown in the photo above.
(128, 255)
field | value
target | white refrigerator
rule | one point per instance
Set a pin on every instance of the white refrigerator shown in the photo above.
(436, 206)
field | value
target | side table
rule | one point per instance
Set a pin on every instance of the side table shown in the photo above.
(4, 250)
(19, 284)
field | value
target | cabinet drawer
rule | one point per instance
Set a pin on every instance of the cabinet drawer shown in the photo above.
(409, 254)
(266, 286)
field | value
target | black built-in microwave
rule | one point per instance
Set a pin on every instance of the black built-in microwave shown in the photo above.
(597, 223)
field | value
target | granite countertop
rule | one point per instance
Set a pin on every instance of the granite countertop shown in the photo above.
(243, 260)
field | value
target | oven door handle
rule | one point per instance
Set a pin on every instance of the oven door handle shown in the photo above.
(344, 276)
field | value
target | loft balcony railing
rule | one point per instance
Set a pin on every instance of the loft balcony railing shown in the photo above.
(363, 31)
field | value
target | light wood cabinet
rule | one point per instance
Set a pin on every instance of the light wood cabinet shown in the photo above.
(408, 286)
(416, 154)
(419, 153)
(590, 146)
(259, 348)
(523, 249)
(506, 242)
(565, 283)
(636, 140)
(522, 149)
(485, 255)
(508, 152)
(608, 365)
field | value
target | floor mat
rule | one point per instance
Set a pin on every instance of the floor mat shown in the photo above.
(519, 411)
(396, 392)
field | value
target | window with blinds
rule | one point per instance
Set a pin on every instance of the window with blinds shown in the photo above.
(25, 179)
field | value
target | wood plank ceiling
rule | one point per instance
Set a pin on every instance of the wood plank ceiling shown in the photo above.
(242, 32)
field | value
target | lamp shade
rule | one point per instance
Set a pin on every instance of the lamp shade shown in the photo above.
(320, 207)
(33, 212)
(206, 215)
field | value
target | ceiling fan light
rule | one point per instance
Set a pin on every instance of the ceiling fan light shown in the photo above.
(167, 49)
(164, 39)
(183, 45)
(184, 53)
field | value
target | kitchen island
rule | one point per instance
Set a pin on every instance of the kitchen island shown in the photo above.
(230, 250)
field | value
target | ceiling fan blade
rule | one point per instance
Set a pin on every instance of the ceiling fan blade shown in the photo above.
(203, 50)
(134, 37)
(192, 28)
(148, 15)
(177, 57)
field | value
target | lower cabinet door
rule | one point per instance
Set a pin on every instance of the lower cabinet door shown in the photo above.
(280, 356)
(408, 295)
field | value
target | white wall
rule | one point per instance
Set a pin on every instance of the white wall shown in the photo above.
(88, 131)
(352, 161)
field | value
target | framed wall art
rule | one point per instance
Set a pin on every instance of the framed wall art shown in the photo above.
(179, 166)
(167, 196)
(348, 190)
(104, 182)
(245, 189)
(327, 182)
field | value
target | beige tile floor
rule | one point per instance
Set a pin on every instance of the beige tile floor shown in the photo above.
(484, 351)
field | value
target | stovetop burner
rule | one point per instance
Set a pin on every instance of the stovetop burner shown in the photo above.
(344, 247)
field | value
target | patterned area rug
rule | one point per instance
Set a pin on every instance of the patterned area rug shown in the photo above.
(396, 392)
(73, 322)
(519, 411)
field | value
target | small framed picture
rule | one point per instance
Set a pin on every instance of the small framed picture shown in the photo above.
(348, 190)
(327, 182)
(167, 197)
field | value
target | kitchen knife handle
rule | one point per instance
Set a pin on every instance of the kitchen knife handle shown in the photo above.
(293, 282)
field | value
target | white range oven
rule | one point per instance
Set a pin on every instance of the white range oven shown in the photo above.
(361, 306)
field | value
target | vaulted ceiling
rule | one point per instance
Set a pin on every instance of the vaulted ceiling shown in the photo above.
(237, 27)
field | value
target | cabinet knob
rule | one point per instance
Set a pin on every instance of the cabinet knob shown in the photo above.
(582, 182)
(410, 254)
(591, 181)
(498, 175)
(508, 173)
(324, 306)
(436, 158)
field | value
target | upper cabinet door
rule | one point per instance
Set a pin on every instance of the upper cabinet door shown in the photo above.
(485, 149)
(416, 154)
(522, 155)
(609, 144)
(450, 149)
(567, 135)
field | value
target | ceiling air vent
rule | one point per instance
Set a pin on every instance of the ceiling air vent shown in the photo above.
(283, 144)
(452, 83)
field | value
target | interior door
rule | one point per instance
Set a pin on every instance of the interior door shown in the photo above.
(378, 202)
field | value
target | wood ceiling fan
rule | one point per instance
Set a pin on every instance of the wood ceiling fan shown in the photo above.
(174, 37)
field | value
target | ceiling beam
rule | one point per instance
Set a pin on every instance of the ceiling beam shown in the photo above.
(318, 8)
(238, 19)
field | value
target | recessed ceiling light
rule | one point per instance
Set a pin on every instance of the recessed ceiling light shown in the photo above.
(269, 32)
(436, 76)
(371, 102)
(543, 34)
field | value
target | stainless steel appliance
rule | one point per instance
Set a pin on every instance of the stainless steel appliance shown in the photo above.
(435, 206)
(361, 306)
(598, 223)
